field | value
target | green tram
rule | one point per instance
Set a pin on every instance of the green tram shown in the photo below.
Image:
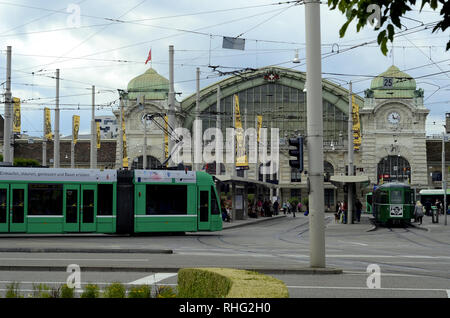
(393, 203)
(45, 200)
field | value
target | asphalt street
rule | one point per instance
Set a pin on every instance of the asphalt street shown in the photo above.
(413, 262)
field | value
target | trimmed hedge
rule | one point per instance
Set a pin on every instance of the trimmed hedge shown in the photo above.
(228, 283)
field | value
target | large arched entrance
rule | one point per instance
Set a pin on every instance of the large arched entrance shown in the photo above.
(394, 169)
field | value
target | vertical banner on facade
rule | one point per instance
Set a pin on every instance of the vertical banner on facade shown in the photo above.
(125, 154)
(166, 138)
(75, 128)
(259, 125)
(356, 125)
(16, 118)
(97, 124)
(241, 156)
(48, 125)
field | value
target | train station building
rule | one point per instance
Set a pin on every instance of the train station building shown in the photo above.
(391, 139)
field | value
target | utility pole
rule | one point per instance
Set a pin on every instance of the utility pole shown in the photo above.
(56, 145)
(93, 133)
(8, 111)
(219, 128)
(197, 130)
(121, 131)
(444, 177)
(171, 120)
(315, 133)
(350, 156)
(144, 150)
(44, 144)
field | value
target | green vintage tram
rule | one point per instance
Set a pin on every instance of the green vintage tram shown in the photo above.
(393, 203)
(42, 200)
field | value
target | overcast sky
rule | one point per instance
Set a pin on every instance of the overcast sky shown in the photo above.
(109, 43)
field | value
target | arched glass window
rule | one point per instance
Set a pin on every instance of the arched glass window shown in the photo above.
(328, 171)
(394, 168)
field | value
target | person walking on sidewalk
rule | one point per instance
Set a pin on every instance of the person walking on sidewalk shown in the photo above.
(418, 212)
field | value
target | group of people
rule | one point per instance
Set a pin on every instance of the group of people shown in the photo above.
(426, 209)
(341, 211)
(263, 208)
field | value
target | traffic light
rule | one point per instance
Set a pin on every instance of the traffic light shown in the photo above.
(297, 153)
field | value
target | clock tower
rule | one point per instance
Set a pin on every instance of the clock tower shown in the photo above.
(393, 130)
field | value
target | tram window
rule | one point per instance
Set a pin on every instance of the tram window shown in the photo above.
(105, 199)
(166, 199)
(3, 205)
(45, 199)
(396, 196)
(382, 197)
(215, 209)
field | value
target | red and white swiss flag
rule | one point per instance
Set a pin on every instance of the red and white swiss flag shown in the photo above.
(149, 56)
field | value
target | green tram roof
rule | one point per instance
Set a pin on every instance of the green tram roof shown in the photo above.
(393, 185)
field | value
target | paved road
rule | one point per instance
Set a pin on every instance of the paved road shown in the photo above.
(413, 262)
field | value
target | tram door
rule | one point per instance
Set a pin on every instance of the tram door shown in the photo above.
(88, 208)
(4, 208)
(204, 210)
(71, 208)
(80, 206)
(18, 208)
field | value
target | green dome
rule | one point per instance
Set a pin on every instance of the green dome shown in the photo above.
(150, 84)
(393, 83)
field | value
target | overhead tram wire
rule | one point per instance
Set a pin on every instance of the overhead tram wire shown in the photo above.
(196, 31)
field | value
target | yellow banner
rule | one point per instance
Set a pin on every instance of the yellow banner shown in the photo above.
(125, 154)
(48, 125)
(98, 134)
(16, 118)
(258, 126)
(241, 156)
(356, 125)
(75, 128)
(166, 138)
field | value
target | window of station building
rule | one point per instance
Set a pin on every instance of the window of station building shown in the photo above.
(45, 199)
(296, 175)
(105, 199)
(166, 199)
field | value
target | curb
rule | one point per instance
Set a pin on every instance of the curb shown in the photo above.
(45, 268)
(83, 250)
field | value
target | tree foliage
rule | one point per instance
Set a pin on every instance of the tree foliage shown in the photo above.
(388, 14)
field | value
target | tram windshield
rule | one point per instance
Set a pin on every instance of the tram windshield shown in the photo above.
(396, 196)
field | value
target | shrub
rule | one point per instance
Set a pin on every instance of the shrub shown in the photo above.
(12, 290)
(229, 283)
(42, 291)
(142, 291)
(165, 292)
(115, 290)
(91, 291)
(67, 292)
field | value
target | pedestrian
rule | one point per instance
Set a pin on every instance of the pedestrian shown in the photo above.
(438, 205)
(428, 207)
(358, 206)
(276, 207)
(418, 212)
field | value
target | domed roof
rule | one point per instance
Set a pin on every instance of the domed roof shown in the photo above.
(150, 84)
(393, 83)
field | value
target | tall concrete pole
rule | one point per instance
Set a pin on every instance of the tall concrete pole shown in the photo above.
(315, 133)
(219, 128)
(171, 120)
(121, 133)
(144, 148)
(444, 178)
(197, 138)
(8, 111)
(56, 145)
(93, 133)
(350, 157)
(44, 143)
